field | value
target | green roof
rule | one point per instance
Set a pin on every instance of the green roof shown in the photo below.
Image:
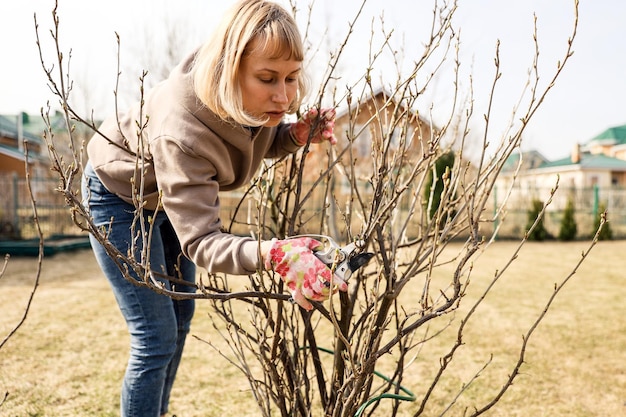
(8, 128)
(33, 126)
(613, 136)
(531, 160)
(588, 161)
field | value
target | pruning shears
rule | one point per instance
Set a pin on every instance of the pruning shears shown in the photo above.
(343, 260)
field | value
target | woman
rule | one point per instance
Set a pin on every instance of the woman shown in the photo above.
(207, 129)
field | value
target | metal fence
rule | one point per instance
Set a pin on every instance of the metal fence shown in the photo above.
(589, 203)
(508, 212)
(16, 213)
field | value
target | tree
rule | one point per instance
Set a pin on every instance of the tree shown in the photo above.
(325, 362)
(535, 228)
(601, 225)
(568, 228)
(436, 180)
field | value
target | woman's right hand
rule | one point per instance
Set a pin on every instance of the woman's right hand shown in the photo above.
(322, 120)
(306, 276)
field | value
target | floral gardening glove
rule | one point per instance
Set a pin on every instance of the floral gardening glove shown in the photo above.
(305, 275)
(323, 121)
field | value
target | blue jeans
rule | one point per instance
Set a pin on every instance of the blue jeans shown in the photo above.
(158, 325)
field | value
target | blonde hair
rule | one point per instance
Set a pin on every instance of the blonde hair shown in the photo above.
(216, 66)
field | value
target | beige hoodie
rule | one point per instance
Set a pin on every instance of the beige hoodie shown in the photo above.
(190, 155)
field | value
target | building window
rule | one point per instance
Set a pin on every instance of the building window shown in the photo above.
(363, 142)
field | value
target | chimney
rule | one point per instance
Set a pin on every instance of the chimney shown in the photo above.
(576, 154)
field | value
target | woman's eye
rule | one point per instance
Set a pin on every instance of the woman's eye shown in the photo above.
(266, 80)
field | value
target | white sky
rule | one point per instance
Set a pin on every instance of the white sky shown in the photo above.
(587, 99)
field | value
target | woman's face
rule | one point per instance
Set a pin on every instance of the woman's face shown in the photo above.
(268, 85)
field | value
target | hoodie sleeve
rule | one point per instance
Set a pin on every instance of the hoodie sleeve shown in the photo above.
(190, 199)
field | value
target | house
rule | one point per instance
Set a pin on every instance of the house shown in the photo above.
(21, 137)
(375, 120)
(592, 176)
(16, 137)
(600, 162)
(373, 116)
(611, 142)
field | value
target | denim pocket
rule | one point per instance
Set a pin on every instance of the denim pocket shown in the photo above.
(100, 202)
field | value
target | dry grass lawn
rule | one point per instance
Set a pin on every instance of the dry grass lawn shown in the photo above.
(69, 357)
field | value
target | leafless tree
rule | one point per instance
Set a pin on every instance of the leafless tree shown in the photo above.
(324, 362)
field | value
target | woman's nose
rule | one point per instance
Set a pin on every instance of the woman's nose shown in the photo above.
(280, 94)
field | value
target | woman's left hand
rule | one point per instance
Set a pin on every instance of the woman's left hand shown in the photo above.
(321, 121)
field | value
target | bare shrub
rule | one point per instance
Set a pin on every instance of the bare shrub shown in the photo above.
(302, 363)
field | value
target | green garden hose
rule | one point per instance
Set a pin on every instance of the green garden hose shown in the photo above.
(409, 396)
